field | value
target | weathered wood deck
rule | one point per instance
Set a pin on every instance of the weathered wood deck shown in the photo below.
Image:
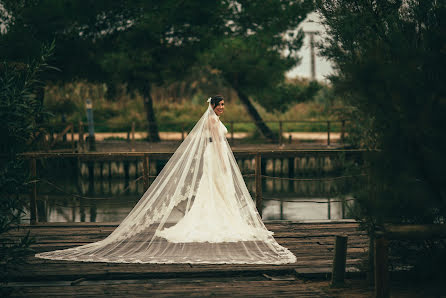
(312, 243)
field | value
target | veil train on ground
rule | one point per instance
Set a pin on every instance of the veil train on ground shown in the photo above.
(198, 210)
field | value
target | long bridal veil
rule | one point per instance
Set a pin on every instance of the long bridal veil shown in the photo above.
(198, 210)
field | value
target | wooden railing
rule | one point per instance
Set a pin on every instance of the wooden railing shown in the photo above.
(183, 127)
(57, 133)
(148, 156)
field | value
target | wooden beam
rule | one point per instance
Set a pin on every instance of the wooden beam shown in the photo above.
(339, 260)
(415, 232)
(146, 172)
(60, 135)
(258, 177)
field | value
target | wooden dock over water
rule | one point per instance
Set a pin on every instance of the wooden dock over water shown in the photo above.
(312, 243)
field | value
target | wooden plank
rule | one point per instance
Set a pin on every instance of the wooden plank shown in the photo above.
(258, 181)
(166, 154)
(185, 288)
(312, 243)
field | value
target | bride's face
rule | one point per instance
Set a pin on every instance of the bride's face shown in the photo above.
(219, 108)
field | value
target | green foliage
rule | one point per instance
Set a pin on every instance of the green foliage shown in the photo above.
(178, 103)
(139, 44)
(251, 59)
(282, 96)
(22, 114)
(390, 63)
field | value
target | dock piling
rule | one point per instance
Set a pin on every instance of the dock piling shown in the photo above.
(339, 260)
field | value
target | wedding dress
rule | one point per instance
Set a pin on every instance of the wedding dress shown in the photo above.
(198, 210)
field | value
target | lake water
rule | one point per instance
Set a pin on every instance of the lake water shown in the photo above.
(111, 200)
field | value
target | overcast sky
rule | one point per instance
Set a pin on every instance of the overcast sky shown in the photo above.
(323, 67)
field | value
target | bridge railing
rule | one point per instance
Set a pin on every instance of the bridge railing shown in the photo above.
(57, 130)
(147, 157)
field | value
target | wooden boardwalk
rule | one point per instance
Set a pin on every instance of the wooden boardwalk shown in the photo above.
(312, 243)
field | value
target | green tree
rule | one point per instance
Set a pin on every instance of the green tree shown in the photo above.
(142, 43)
(161, 45)
(260, 49)
(390, 60)
(22, 114)
(138, 43)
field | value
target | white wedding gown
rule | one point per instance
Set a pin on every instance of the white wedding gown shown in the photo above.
(215, 215)
(198, 210)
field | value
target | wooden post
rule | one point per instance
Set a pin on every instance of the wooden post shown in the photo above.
(146, 172)
(90, 165)
(342, 131)
(258, 175)
(290, 174)
(328, 133)
(339, 260)
(72, 137)
(182, 132)
(371, 261)
(329, 208)
(381, 271)
(232, 132)
(133, 136)
(33, 194)
(126, 174)
(280, 132)
(81, 135)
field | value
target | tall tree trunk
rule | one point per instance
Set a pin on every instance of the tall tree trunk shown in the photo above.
(152, 127)
(265, 130)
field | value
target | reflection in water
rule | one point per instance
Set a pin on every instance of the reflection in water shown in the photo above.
(307, 209)
(60, 209)
(112, 201)
(107, 191)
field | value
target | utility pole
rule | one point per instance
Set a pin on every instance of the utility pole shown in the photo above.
(312, 54)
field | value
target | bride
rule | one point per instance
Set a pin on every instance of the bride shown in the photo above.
(198, 210)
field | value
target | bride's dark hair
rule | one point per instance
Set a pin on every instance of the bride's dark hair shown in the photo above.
(215, 100)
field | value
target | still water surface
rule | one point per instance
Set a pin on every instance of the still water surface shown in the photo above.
(112, 200)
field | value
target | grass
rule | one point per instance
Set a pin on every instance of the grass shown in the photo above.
(172, 113)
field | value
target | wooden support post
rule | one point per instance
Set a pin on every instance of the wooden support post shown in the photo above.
(33, 194)
(328, 133)
(258, 175)
(290, 174)
(133, 136)
(381, 271)
(339, 260)
(90, 165)
(371, 269)
(232, 132)
(182, 132)
(329, 208)
(126, 174)
(81, 136)
(72, 137)
(146, 172)
(280, 132)
(343, 132)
